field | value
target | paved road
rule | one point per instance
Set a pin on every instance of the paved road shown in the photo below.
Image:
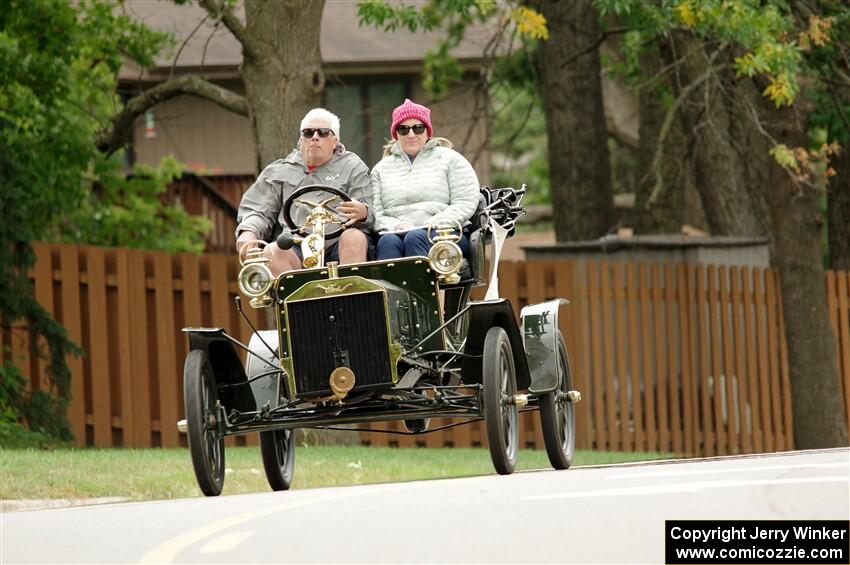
(606, 514)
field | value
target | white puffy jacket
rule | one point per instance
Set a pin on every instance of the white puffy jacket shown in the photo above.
(439, 184)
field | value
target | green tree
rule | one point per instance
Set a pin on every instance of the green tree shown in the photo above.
(59, 63)
(54, 65)
(123, 210)
(739, 67)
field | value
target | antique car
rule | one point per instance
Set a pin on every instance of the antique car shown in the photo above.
(379, 341)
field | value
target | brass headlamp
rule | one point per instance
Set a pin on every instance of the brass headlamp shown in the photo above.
(445, 255)
(255, 278)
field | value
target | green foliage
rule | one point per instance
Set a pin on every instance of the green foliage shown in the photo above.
(782, 45)
(441, 69)
(42, 412)
(11, 388)
(58, 66)
(628, 65)
(760, 28)
(14, 435)
(518, 140)
(830, 59)
(127, 211)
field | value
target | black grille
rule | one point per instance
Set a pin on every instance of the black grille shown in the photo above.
(348, 330)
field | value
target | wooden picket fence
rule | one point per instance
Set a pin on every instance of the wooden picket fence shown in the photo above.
(675, 358)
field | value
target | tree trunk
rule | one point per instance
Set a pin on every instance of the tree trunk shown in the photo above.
(818, 410)
(817, 407)
(725, 143)
(578, 142)
(662, 212)
(284, 79)
(838, 206)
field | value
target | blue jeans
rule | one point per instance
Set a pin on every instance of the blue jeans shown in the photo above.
(410, 244)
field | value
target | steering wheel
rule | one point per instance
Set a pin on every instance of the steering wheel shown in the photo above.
(300, 203)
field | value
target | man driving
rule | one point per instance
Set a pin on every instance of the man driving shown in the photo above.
(320, 159)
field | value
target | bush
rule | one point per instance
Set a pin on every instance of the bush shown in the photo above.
(14, 435)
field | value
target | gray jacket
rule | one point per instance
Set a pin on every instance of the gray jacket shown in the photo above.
(261, 208)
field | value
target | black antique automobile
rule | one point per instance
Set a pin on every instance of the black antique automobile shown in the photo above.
(379, 341)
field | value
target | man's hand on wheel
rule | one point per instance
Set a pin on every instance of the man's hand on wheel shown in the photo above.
(355, 211)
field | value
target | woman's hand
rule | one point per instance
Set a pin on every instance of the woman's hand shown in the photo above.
(355, 211)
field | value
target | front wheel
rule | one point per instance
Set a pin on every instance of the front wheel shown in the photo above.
(206, 446)
(558, 416)
(277, 448)
(501, 416)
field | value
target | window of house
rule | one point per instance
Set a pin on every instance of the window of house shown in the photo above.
(365, 110)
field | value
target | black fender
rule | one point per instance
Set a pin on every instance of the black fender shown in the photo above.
(226, 365)
(484, 315)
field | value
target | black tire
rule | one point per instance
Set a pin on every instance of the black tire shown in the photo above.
(277, 448)
(501, 416)
(558, 415)
(205, 444)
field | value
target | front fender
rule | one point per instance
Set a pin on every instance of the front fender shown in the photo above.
(540, 339)
(483, 315)
(226, 366)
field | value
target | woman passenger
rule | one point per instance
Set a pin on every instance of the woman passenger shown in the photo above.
(420, 180)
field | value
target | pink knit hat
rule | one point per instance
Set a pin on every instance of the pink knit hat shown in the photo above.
(410, 110)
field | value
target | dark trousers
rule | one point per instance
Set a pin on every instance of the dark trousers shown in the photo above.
(410, 244)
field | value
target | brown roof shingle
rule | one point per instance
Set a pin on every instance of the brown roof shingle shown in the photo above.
(343, 40)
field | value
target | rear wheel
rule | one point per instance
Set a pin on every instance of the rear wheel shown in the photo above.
(557, 414)
(206, 446)
(501, 416)
(277, 448)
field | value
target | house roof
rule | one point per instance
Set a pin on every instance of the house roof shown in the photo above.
(344, 43)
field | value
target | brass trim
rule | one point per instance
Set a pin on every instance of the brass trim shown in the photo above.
(285, 362)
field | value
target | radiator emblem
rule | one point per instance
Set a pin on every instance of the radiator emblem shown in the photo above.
(334, 288)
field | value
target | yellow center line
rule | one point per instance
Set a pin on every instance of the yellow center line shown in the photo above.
(168, 550)
(225, 542)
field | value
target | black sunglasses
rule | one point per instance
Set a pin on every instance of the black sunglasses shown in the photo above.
(418, 129)
(323, 132)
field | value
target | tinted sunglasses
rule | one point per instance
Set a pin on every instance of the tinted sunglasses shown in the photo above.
(323, 132)
(418, 129)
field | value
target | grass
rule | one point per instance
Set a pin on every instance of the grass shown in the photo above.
(150, 474)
